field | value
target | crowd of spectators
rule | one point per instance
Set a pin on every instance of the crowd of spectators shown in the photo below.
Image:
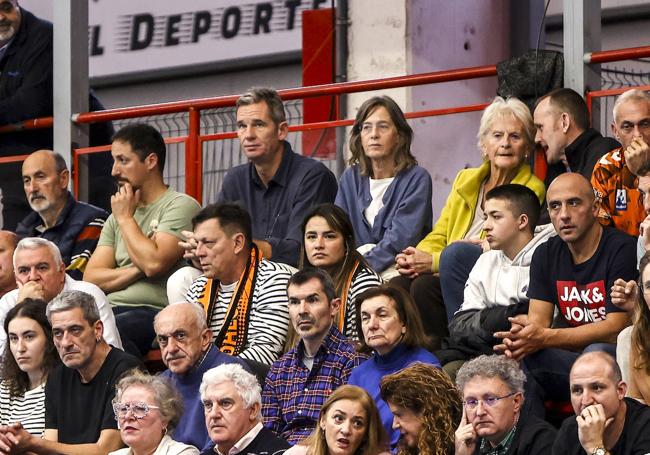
(304, 315)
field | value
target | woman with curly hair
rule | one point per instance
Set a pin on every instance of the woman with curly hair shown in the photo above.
(426, 409)
(349, 424)
(29, 357)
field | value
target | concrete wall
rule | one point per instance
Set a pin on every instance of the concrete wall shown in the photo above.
(445, 35)
(398, 37)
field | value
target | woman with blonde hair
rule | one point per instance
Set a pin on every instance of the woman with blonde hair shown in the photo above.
(349, 424)
(148, 409)
(506, 138)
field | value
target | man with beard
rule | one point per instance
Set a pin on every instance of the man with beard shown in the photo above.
(72, 225)
(138, 248)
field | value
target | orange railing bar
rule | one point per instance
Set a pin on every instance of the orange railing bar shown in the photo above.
(290, 94)
(339, 123)
(617, 55)
(589, 96)
(32, 124)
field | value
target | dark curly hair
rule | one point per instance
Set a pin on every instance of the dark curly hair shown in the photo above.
(428, 392)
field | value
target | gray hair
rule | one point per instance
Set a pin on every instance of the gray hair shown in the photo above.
(245, 383)
(34, 243)
(500, 108)
(630, 95)
(267, 95)
(69, 300)
(492, 366)
(200, 317)
(168, 399)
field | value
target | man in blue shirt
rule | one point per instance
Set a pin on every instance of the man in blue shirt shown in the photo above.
(277, 186)
(187, 351)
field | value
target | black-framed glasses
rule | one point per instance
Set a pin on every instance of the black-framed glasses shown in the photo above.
(472, 403)
(139, 409)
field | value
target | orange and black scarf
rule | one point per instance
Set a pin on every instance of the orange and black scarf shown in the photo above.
(232, 337)
(343, 308)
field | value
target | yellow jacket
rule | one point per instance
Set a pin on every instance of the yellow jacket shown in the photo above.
(457, 215)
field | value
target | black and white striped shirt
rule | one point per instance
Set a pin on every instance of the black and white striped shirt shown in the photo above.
(28, 409)
(269, 315)
(365, 279)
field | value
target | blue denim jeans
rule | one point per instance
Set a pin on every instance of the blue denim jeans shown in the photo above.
(456, 261)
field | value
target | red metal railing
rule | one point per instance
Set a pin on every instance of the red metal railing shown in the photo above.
(194, 140)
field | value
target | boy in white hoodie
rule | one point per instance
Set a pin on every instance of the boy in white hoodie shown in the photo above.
(497, 285)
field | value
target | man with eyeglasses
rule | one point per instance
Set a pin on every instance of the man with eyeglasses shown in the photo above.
(606, 421)
(231, 400)
(492, 388)
(615, 177)
(79, 417)
(188, 352)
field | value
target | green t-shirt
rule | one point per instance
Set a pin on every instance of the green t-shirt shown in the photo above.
(171, 213)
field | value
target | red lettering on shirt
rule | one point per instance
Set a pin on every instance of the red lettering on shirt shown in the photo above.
(582, 303)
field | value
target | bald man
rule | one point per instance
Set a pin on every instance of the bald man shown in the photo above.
(572, 273)
(72, 225)
(8, 242)
(606, 423)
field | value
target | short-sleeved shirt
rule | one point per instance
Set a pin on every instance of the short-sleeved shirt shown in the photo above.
(80, 411)
(634, 440)
(171, 213)
(581, 291)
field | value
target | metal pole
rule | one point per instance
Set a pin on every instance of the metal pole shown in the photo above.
(71, 80)
(341, 50)
(582, 34)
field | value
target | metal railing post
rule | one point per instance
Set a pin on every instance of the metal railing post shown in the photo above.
(194, 157)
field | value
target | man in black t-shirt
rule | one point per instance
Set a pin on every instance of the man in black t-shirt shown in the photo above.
(573, 273)
(78, 410)
(606, 423)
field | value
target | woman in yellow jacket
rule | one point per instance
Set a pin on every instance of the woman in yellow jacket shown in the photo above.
(506, 139)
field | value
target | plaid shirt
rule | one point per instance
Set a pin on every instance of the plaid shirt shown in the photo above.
(293, 394)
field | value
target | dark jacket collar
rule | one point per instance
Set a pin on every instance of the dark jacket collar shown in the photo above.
(281, 176)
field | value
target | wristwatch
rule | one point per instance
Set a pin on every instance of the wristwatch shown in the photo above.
(599, 451)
